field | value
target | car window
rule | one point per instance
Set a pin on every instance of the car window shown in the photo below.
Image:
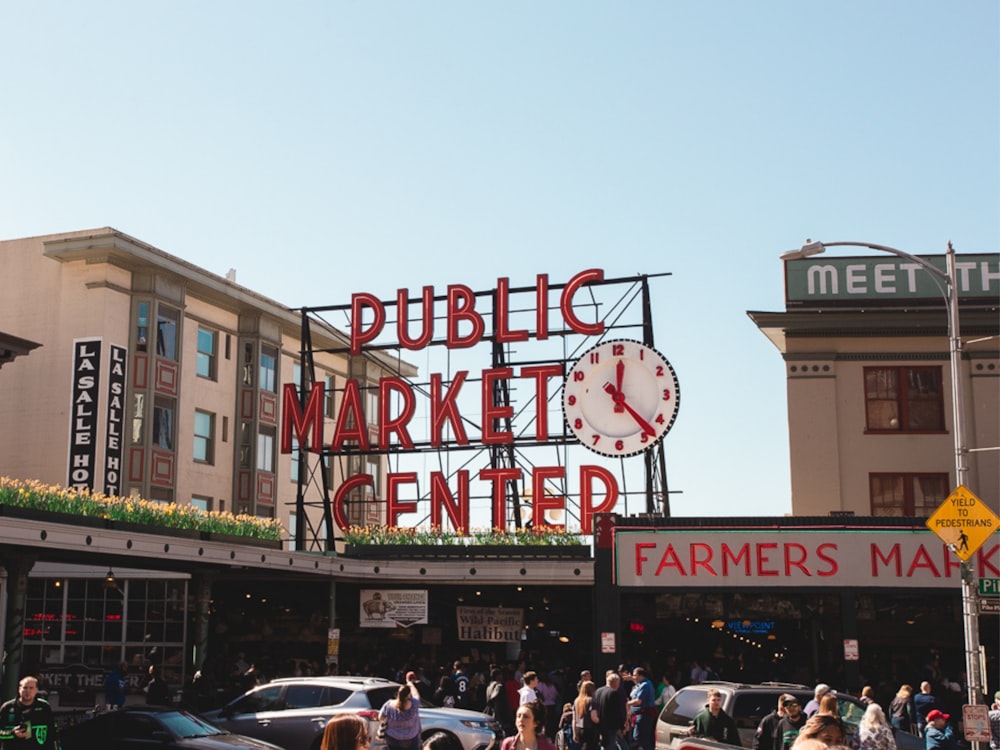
(751, 706)
(136, 727)
(314, 696)
(684, 706)
(378, 696)
(265, 699)
(850, 711)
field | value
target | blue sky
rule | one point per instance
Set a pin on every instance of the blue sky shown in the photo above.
(323, 148)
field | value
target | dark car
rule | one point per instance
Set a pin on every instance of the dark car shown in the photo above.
(748, 704)
(293, 711)
(148, 727)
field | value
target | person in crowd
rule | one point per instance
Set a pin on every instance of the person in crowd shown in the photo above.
(27, 721)
(585, 676)
(829, 704)
(626, 683)
(496, 701)
(115, 687)
(713, 722)
(789, 726)
(442, 741)
(156, 689)
(346, 732)
(610, 705)
(938, 733)
(901, 710)
(664, 690)
(462, 685)
(529, 722)
(548, 693)
(642, 710)
(923, 703)
(818, 693)
(994, 715)
(528, 692)
(867, 696)
(766, 734)
(823, 727)
(586, 720)
(445, 694)
(564, 732)
(874, 731)
(402, 719)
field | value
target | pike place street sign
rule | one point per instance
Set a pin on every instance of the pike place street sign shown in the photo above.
(963, 522)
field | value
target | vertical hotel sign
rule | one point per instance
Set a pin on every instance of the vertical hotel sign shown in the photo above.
(83, 412)
(115, 421)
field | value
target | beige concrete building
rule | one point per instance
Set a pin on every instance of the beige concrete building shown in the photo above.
(159, 379)
(866, 350)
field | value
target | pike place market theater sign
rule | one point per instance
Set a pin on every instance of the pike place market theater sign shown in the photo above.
(753, 558)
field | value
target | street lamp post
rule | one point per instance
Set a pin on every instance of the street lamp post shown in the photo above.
(946, 283)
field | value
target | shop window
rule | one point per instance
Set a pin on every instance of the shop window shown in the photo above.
(903, 399)
(204, 437)
(207, 347)
(268, 369)
(907, 494)
(166, 332)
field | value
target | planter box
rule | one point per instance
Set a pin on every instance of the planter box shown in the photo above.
(53, 516)
(468, 552)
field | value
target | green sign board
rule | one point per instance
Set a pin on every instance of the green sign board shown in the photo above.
(989, 586)
(819, 279)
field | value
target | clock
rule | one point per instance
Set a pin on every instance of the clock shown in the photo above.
(621, 397)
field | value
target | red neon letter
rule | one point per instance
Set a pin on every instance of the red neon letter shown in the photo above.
(358, 480)
(566, 303)
(445, 409)
(499, 477)
(386, 424)
(587, 509)
(350, 419)
(492, 413)
(501, 315)
(540, 501)
(403, 317)
(542, 307)
(541, 374)
(393, 505)
(292, 417)
(359, 336)
(461, 306)
(441, 498)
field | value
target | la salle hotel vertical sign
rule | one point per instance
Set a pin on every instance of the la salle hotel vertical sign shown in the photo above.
(89, 381)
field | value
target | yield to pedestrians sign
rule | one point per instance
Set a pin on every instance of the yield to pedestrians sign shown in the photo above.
(963, 522)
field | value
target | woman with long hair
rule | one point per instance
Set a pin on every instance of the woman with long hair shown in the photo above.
(346, 732)
(823, 727)
(901, 713)
(585, 718)
(874, 732)
(529, 722)
(401, 716)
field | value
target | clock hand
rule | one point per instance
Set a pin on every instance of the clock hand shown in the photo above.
(619, 376)
(619, 398)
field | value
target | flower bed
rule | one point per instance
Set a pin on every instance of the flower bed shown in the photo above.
(362, 536)
(35, 496)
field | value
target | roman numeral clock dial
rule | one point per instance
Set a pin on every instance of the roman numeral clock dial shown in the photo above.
(620, 398)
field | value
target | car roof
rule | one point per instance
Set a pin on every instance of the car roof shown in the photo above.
(338, 680)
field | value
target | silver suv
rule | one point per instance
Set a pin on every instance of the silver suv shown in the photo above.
(748, 704)
(292, 712)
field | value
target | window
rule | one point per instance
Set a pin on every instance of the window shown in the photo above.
(201, 503)
(166, 332)
(204, 437)
(265, 449)
(907, 494)
(268, 369)
(163, 423)
(296, 463)
(142, 326)
(330, 394)
(903, 399)
(207, 343)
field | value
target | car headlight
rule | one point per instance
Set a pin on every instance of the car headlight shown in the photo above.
(476, 724)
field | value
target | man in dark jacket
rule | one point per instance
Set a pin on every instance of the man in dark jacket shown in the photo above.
(766, 736)
(789, 726)
(610, 705)
(27, 721)
(715, 723)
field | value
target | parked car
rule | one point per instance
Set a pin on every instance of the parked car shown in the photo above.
(748, 704)
(292, 712)
(146, 727)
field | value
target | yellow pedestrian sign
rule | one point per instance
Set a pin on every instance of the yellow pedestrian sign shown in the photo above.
(963, 522)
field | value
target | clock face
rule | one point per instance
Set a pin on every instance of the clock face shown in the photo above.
(620, 398)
